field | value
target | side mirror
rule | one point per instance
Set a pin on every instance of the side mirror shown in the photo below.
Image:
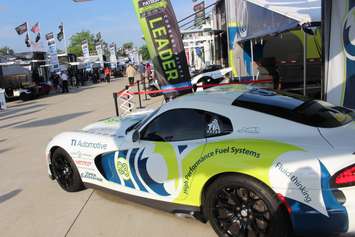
(133, 136)
(136, 136)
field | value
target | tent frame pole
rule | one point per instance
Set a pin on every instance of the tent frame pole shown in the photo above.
(252, 58)
(305, 47)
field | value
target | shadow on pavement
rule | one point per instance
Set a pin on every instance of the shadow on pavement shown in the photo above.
(5, 150)
(20, 104)
(72, 90)
(5, 197)
(52, 121)
(14, 111)
(14, 124)
(17, 115)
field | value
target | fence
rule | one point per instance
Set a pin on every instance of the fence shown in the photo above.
(124, 103)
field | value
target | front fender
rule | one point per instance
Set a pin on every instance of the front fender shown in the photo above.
(81, 145)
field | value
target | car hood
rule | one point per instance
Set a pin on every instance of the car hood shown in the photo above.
(342, 137)
(115, 126)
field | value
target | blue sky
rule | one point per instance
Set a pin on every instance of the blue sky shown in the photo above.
(115, 19)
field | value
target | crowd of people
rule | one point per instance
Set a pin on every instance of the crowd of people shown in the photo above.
(61, 81)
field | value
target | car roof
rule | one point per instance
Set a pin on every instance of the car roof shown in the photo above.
(223, 95)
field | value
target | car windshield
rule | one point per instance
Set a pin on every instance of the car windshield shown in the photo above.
(296, 108)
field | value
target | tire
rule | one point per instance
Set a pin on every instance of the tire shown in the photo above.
(240, 206)
(25, 97)
(153, 88)
(65, 172)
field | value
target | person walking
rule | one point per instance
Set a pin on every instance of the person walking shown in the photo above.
(131, 73)
(141, 70)
(148, 71)
(64, 77)
(107, 73)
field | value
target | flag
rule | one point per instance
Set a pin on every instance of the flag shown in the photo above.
(98, 38)
(60, 35)
(38, 37)
(49, 36)
(35, 29)
(27, 41)
(21, 28)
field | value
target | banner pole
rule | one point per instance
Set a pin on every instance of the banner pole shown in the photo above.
(305, 63)
(252, 58)
(29, 36)
(65, 40)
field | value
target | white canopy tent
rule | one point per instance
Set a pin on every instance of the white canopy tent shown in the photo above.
(303, 11)
(258, 18)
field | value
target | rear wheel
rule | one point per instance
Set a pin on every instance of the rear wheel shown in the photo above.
(65, 172)
(239, 206)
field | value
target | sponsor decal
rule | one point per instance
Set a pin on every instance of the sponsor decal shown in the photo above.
(103, 131)
(298, 176)
(252, 157)
(349, 35)
(213, 128)
(147, 3)
(84, 163)
(122, 168)
(243, 19)
(250, 130)
(80, 155)
(230, 150)
(85, 144)
(111, 121)
(302, 187)
(92, 176)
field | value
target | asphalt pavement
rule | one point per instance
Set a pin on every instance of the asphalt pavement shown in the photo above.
(32, 205)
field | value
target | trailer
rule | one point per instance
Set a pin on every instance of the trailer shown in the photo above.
(22, 76)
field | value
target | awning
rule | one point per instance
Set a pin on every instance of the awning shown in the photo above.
(303, 11)
(249, 19)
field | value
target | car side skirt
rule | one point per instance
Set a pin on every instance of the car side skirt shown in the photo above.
(177, 209)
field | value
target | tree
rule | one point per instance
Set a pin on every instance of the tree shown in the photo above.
(6, 51)
(128, 45)
(144, 52)
(76, 41)
(60, 51)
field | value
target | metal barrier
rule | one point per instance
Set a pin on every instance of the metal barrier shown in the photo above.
(124, 102)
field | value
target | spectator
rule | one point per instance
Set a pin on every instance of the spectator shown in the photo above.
(101, 76)
(131, 73)
(64, 77)
(107, 73)
(141, 70)
(148, 71)
(56, 82)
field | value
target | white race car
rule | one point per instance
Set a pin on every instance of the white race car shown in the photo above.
(253, 163)
(209, 77)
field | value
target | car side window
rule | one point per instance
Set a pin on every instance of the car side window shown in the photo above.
(217, 125)
(176, 125)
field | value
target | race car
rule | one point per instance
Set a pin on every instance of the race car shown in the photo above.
(252, 162)
(210, 76)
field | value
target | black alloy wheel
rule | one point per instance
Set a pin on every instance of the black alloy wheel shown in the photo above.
(238, 206)
(65, 172)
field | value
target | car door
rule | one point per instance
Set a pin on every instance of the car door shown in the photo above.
(152, 166)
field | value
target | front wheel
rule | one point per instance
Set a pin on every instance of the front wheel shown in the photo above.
(239, 206)
(65, 172)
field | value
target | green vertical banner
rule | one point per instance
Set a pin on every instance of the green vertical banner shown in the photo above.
(163, 37)
(340, 52)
